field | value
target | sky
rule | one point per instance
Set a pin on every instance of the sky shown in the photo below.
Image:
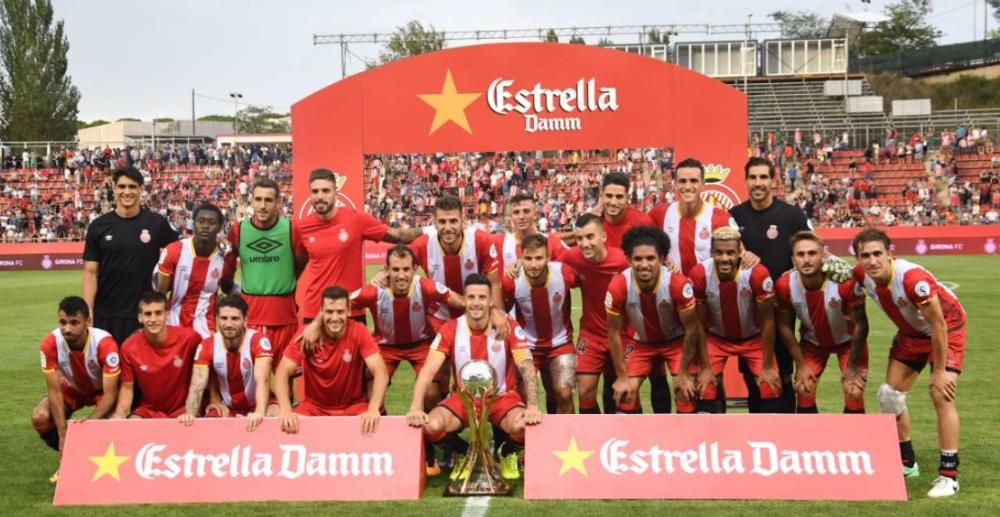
(142, 58)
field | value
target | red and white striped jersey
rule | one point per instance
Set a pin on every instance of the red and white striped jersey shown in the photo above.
(691, 237)
(234, 370)
(477, 255)
(909, 287)
(82, 371)
(462, 344)
(823, 313)
(543, 312)
(654, 316)
(731, 305)
(510, 248)
(194, 284)
(402, 320)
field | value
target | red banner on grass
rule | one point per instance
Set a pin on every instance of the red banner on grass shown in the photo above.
(217, 460)
(832, 457)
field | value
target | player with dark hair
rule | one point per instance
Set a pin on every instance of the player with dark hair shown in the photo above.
(832, 321)
(193, 270)
(522, 212)
(471, 337)
(540, 296)
(332, 237)
(333, 375)
(80, 365)
(241, 362)
(158, 359)
(659, 306)
(614, 209)
(737, 306)
(931, 329)
(121, 249)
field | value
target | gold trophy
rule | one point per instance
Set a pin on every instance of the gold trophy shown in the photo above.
(477, 384)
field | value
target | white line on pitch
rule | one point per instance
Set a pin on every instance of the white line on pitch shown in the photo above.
(476, 506)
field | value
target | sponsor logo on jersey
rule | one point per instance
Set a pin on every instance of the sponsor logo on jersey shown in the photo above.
(265, 246)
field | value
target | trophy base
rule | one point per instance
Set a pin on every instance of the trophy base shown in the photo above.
(497, 488)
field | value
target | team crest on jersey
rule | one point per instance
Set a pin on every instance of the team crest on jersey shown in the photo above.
(745, 293)
(216, 274)
(834, 303)
(347, 356)
(703, 233)
(145, 237)
(469, 265)
(496, 347)
(663, 305)
(901, 302)
(312, 239)
(416, 307)
(772, 232)
(265, 344)
(343, 236)
(143, 367)
(246, 363)
(178, 362)
(92, 364)
(557, 298)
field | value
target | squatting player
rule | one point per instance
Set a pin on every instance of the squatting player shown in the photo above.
(240, 360)
(468, 338)
(158, 358)
(333, 375)
(832, 320)
(541, 302)
(661, 309)
(931, 329)
(737, 306)
(80, 365)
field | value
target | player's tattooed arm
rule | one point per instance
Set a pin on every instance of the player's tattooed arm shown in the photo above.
(526, 367)
(199, 380)
(403, 235)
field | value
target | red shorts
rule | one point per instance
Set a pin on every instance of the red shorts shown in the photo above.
(415, 354)
(75, 401)
(719, 350)
(243, 411)
(148, 412)
(642, 358)
(502, 405)
(544, 356)
(816, 357)
(592, 354)
(308, 408)
(916, 351)
(280, 337)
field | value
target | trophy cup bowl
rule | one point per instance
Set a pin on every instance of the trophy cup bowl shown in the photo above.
(477, 379)
(477, 385)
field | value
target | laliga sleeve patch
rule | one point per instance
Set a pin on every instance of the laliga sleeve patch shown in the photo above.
(688, 291)
(265, 344)
(768, 285)
(859, 289)
(519, 333)
(441, 288)
(923, 289)
(608, 300)
(493, 251)
(112, 359)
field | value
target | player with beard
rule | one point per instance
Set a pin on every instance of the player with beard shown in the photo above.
(832, 320)
(541, 303)
(240, 359)
(193, 270)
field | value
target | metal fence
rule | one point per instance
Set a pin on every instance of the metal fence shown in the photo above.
(934, 59)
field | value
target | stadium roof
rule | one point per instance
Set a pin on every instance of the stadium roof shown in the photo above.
(850, 25)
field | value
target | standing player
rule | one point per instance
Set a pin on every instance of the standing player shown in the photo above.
(541, 300)
(766, 225)
(122, 247)
(159, 360)
(81, 369)
(617, 215)
(265, 245)
(193, 270)
(740, 318)
(595, 264)
(333, 240)
(832, 321)
(470, 338)
(241, 361)
(523, 220)
(931, 329)
(661, 308)
(334, 374)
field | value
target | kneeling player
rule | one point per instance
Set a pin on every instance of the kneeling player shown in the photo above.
(334, 374)
(541, 301)
(740, 318)
(931, 329)
(661, 309)
(832, 321)
(241, 361)
(469, 338)
(158, 358)
(81, 369)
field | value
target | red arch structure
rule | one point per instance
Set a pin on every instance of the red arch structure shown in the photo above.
(520, 97)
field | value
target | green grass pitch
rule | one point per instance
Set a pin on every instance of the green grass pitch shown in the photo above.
(27, 311)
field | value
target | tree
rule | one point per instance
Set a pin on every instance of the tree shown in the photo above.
(37, 98)
(84, 125)
(551, 37)
(655, 37)
(577, 40)
(217, 118)
(163, 119)
(799, 24)
(605, 42)
(410, 40)
(128, 119)
(261, 119)
(906, 29)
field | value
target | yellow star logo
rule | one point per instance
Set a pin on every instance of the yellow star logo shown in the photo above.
(108, 464)
(449, 105)
(573, 458)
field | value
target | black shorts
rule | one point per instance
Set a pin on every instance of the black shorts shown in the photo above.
(119, 328)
